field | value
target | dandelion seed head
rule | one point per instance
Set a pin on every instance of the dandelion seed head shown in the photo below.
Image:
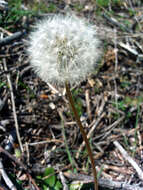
(63, 48)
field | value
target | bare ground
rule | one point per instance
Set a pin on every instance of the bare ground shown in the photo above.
(110, 103)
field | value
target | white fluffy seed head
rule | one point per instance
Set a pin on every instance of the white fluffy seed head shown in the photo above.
(63, 48)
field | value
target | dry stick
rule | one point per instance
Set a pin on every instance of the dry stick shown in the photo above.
(44, 142)
(63, 180)
(53, 89)
(113, 21)
(13, 106)
(88, 104)
(6, 178)
(116, 67)
(5, 31)
(83, 134)
(9, 39)
(90, 134)
(13, 158)
(105, 183)
(129, 159)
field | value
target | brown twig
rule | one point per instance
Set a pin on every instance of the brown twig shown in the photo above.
(83, 134)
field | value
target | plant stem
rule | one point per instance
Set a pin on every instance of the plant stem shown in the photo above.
(83, 134)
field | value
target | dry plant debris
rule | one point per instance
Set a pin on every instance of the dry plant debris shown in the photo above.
(110, 102)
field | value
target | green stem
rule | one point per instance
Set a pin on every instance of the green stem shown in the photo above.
(83, 134)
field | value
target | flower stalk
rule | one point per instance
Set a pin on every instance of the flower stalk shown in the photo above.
(69, 95)
(63, 51)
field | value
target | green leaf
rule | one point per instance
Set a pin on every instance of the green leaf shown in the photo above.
(45, 187)
(2, 84)
(76, 186)
(51, 179)
(58, 185)
(102, 3)
(39, 177)
(17, 153)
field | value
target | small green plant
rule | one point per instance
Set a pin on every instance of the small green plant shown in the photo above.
(135, 133)
(43, 7)
(133, 101)
(132, 12)
(28, 89)
(17, 183)
(129, 101)
(52, 7)
(122, 106)
(76, 186)
(2, 84)
(15, 11)
(125, 84)
(78, 7)
(48, 180)
(132, 145)
(127, 23)
(105, 3)
(71, 160)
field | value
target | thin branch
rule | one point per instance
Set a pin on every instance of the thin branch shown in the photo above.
(18, 162)
(129, 159)
(63, 180)
(90, 134)
(44, 142)
(88, 105)
(6, 178)
(13, 158)
(13, 105)
(105, 183)
(114, 22)
(116, 67)
(9, 39)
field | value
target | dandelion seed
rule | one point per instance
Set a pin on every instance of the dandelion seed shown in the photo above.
(63, 48)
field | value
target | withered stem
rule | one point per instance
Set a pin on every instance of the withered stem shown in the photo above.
(83, 134)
